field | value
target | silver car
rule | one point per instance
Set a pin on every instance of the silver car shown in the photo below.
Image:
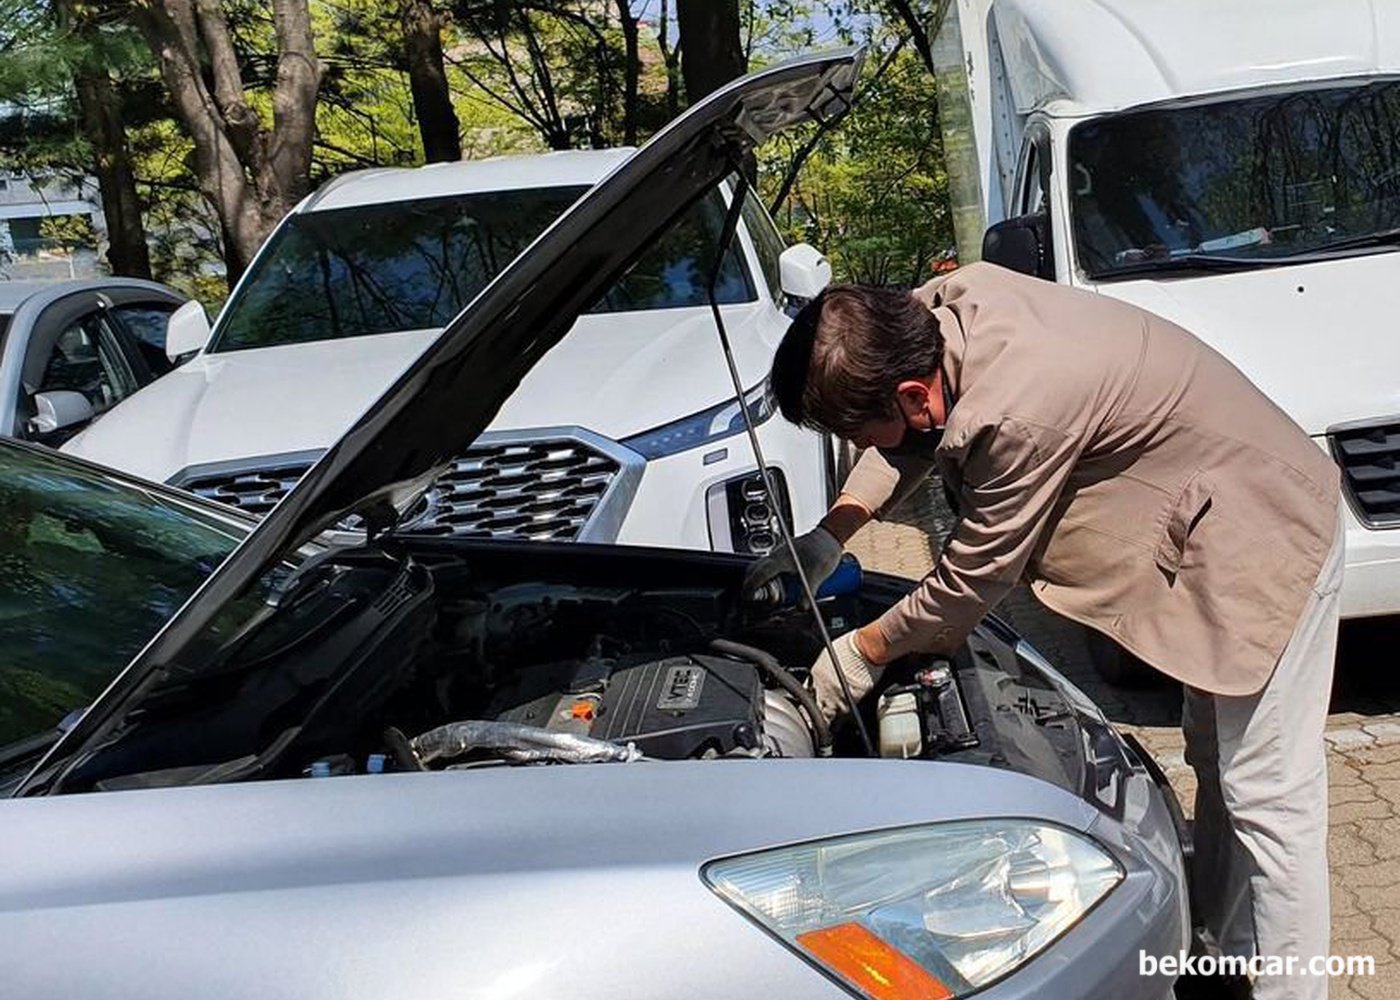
(71, 350)
(416, 766)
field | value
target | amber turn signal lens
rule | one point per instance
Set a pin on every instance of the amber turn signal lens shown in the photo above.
(871, 965)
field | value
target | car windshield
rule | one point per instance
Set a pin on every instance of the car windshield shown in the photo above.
(353, 272)
(1258, 180)
(90, 568)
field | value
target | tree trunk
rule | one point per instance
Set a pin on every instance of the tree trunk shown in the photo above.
(100, 107)
(251, 175)
(427, 79)
(713, 53)
(631, 72)
(671, 56)
(922, 30)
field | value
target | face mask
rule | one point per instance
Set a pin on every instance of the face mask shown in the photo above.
(920, 442)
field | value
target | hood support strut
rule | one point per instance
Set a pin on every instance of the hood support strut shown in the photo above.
(731, 226)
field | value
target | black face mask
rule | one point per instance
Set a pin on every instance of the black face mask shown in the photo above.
(921, 443)
(917, 442)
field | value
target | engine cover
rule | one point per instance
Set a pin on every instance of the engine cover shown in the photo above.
(673, 708)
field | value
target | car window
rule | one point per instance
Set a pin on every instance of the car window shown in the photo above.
(414, 265)
(87, 358)
(675, 271)
(1262, 178)
(89, 569)
(766, 241)
(1032, 185)
(147, 322)
(409, 265)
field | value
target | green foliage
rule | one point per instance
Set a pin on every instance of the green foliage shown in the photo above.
(69, 231)
(524, 75)
(873, 194)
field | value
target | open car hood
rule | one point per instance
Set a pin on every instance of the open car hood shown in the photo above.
(445, 399)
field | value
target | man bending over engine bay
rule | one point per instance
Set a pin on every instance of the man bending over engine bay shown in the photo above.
(1143, 487)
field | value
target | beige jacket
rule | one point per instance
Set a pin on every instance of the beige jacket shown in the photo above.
(1142, 484)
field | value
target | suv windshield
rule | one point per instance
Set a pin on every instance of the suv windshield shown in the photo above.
(413, 265)
(90, 568)
(1273, 178)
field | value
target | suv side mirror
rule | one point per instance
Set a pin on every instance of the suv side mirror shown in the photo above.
(59, 409)
(186, 331)
(803, 271)
(1021, 244)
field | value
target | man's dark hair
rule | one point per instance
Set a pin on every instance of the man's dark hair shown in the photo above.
(846, 353)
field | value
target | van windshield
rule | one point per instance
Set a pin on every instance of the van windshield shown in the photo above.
(1266, 179)
(413, 265)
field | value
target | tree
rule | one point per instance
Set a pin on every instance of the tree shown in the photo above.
(871, 192)
(711, 42)
(250, 172)
(573, 69)
(100, 107)
(427, 77)
(631, 68)
(62, 62)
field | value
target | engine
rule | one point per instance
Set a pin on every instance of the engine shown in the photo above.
(692, 704)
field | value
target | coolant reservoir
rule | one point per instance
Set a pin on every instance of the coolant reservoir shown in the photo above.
(899, 725)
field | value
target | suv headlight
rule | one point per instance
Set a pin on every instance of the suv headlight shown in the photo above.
(926, 912)
(701, 428)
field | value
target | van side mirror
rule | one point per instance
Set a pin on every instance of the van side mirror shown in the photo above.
(803, 271)
(1021, 244)
(59, 409)
(187, 331)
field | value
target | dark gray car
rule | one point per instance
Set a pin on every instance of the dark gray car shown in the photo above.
(535, 769)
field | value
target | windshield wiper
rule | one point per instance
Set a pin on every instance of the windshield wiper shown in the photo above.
(1383, 238)
(1200, 262)
(1215, 262)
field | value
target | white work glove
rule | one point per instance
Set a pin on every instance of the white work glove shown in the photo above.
(818, 551)
(861, 675)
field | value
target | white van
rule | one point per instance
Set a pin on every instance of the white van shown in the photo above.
(1230, 165)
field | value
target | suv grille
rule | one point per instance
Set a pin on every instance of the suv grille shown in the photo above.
(256, 492)
(1370, 461)
(541, 489)
(536, 489)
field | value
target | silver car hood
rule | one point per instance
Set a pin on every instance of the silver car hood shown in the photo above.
(486, 883)
(445, 399)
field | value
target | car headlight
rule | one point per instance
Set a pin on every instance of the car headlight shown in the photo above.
(701, 428)
(925, 912)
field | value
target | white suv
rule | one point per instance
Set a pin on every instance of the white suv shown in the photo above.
(627, 432)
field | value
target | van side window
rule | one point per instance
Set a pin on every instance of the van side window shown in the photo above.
(1033, 197)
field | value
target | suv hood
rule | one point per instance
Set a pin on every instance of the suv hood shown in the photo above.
(446, 398)
(603, 375)
(1314, 337)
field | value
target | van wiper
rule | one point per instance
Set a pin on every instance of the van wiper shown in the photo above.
(1383, 238)
(1215, 262)
(1187, 262)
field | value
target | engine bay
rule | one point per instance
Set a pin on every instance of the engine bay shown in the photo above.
(369, 660)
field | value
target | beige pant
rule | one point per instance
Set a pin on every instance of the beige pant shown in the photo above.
(1260, 872)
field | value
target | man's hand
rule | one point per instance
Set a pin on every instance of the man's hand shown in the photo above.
(818, 551)
(861, 654)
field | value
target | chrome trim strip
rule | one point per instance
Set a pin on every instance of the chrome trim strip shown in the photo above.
(243, 466)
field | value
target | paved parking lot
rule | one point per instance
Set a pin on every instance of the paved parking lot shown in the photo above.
(1363, 734)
